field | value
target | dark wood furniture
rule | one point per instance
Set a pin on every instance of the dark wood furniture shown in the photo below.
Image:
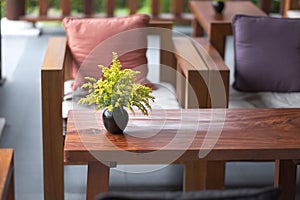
(218, 26)
(56, 70)
(238, 134)
(7, 191)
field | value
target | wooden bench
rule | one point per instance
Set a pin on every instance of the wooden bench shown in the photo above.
(7, 174)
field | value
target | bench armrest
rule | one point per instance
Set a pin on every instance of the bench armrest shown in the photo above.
(52, 80)
(202, 76)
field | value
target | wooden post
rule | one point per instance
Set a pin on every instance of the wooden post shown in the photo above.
(265, 5)
(155, 8)
(98, 179)
(14, 9)
(133, 6)
(285, 178)
(88, 7)
(110, 7)
(177, 7)
(43, 7)
(203, 175)
(66, 7)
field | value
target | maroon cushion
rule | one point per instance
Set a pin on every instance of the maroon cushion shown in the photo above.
(93, 40)
(267, 54)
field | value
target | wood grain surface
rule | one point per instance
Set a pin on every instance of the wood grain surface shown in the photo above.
(225, 134)
(6, 174)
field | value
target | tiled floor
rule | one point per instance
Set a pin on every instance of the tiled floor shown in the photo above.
(20, 104)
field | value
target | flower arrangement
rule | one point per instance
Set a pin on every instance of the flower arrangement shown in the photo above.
(116, 89)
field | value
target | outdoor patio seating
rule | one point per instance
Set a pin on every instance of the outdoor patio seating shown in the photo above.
(56, 70)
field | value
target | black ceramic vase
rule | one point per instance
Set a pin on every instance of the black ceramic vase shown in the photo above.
(116, 121)
(218, 6)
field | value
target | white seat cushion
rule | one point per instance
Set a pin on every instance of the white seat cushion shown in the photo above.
(165, 98)
(263, 99)
(293, 13)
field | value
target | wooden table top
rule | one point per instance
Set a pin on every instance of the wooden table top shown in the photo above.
(178, 135)
(205, 13)
(6, 160)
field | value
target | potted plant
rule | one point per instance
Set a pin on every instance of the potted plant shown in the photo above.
(115, 91)
(218, 5)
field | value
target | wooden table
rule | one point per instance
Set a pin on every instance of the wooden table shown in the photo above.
(218, 26)
(6, 174)
(178, 136)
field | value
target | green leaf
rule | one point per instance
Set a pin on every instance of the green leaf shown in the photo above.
(117, 89)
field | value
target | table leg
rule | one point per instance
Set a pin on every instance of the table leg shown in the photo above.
(265, 5)
(217, 36)
(97, 180)
(202, 175)
(286, 5)
(197, 29)
(285, 178)
(11, 189)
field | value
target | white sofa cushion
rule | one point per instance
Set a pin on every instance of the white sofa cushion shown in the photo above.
(293, 13)
(263, 99)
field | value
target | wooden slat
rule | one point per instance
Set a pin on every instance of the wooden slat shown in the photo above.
(43, 7)
(176, 15)
(133, 6)
(110, 7)
(88, 7)
(155, 8)
(65, 7)
(52, 96)
(14, 9)
(177, 7)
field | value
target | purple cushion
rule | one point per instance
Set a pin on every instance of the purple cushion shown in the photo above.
(267, 54)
